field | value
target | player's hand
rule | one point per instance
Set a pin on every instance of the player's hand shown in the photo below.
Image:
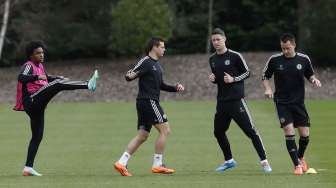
(269, 93)
(228, 78)
(42, 77)
(179, 87)
(316, 82)
(131, 74)
(212, 77)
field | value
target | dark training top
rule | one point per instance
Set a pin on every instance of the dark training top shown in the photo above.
(149, 72)
(233, 64)
(289, 76)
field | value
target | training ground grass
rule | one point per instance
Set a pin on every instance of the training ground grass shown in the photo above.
(83, 140)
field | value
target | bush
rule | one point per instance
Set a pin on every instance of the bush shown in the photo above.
(135, 21)
(321, 43)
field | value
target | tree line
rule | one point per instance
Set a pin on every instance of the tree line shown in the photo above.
(115, 28)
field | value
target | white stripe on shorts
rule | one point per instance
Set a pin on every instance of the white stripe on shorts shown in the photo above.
(157, 112)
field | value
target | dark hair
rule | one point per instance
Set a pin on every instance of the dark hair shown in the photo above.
(32, 45)
(154, 41)
(287, 37)
(218, 31)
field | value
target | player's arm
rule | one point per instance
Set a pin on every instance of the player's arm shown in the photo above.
(268, 89)
(315, 81)
(137, 71)
(26, 74)
(170, 88)
(212, 76)
(309, 74)
(266, 76)
(53, 77)
(243, 69)
(134, 74)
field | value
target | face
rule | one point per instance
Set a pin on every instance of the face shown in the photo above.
(38, 55)
(288, 48)
(159, 50)
(218, 41)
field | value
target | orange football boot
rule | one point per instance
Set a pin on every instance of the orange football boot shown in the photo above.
(162, 170)
(122, 169)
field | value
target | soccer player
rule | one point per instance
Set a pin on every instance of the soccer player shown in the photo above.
(149, 72)
(289, 69)
(34, 91)
(229, 70)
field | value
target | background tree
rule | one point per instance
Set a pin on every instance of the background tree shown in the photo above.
(4, 24)
(319, 39)
(210, 15)
(71, 28)
(85, 28)
(190, 31)
(304, 32)
(255, 25)
(134, 21)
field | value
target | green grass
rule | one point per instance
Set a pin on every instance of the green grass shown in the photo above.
(82, 141)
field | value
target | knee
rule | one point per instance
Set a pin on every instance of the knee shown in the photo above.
(289, 130)
(304, 131)
(166, 131)
(142, 138)
(304, 135)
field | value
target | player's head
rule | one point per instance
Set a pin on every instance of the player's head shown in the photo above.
(218, 39)
(155, 45)
(35, 51)
(287, 43)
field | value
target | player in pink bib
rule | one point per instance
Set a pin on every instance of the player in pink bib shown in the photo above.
(35, 89)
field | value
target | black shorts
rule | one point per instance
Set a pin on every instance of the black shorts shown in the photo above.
(149, 113)
(293, 113)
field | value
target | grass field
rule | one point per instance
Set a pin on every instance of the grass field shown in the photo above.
(82, 141)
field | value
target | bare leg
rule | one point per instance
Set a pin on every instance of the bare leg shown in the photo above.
(160, 143)
(134, 144)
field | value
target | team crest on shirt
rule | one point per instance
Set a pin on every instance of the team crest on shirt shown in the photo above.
(154, 68)
(299, 66)
(227, 62)
(282, 120)
(281, 67)
(241, 109)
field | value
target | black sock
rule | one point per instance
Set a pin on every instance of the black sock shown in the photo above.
(292, 149)
(303, 143)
